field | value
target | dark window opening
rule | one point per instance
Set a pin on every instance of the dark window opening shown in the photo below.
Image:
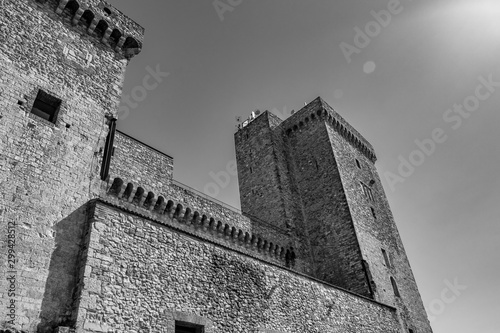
(182, 327)
(395, 287)
(101, 28)
(130, 43)
(386, 258)
(373, 213)
(290, 258)
(87, 17)
(369, 278)
(357, 163)
(107, 11)
(72, 7)
(410, 330)
(115, 36)
(46, 106)
(108, 149)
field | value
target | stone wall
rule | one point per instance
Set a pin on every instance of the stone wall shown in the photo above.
(49, 170)
(143, 281)
(140, 164)
(202, 222)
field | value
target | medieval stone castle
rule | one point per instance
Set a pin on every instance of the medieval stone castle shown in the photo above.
(96, 237)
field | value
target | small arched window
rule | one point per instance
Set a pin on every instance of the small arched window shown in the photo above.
(159, 202)
(87, 17)
(115, 36)
(128, 190)
(130, 43)
(101, 28)
(149, 199)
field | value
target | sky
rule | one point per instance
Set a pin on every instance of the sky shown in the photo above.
(422, 85)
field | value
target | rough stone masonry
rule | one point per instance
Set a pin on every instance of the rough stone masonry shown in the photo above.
(97, 237)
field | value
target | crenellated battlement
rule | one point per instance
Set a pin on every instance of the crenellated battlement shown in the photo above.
(103, 22)
(320, 110)
(159, 209)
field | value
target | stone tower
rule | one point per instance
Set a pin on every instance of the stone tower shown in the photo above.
(62, 65)
(314, 175)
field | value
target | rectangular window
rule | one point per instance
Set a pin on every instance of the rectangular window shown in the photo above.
(183, 327)
(46, 106)
(386, 258)
(367, 191)
(373, 213)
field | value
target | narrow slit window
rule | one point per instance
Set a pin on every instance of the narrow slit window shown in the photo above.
(386, 258)
(358, 164)
(395, 287)
(373, 213)
(182, 327)
(46, 106)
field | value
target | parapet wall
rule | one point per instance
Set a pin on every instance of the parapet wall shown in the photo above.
(140, 275)
(320, 109)
(206, 218)
(199, 223)
(103, 22)
(191, 198)
(143, 166)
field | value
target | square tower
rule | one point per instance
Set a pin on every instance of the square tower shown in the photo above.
(316, 173)
(62, 66)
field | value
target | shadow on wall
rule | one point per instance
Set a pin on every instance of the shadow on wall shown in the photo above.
(236, 278)
(56, 308)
